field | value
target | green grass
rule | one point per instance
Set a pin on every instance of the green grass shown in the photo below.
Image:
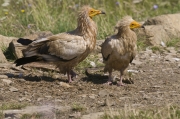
(78, 108)
(170, 112)
(60, 15)
(173, 43)
(1, 115)
(31, 116)
(6, 106)
(156, 49)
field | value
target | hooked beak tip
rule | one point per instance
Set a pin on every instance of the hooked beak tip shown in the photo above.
(142, 26)
(102, 12)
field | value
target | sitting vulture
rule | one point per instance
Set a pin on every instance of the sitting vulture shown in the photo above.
(66, 49)
(120, 49)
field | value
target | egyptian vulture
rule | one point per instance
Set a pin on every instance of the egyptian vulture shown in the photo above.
(120, 49)
(66, 49)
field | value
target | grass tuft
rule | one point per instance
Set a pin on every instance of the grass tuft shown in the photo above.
(7, 106)
(169, 112)
(156, 49)
(31, 116)
(173, 43)
(78, 108)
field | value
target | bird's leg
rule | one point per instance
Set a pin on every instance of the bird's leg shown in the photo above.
(120, 83)
(73, 74)
(109, 82)
(69, 76)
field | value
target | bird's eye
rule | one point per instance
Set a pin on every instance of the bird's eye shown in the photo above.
(91, 11)
(133, 24)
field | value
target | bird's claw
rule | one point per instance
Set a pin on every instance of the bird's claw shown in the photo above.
(120, 84)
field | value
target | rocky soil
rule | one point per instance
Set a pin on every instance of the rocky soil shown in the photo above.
(152, 80)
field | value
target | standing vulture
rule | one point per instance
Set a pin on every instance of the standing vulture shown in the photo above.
(66, 49)
(120, 49)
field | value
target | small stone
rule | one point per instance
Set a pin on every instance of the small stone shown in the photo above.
(6, 81)
(22, 99)
(58, 100)
(83, 95)
(93, 64)
(136, 62)
(3, 77)
(109, 102)
(13, 89)
(75, 115)
(39, 99)
(21, 80)
(21, 75)
(66, 85)
(28, 99)
(48, 96)
(103, 93)
(92, 96)
(55, 76)
(179, 65)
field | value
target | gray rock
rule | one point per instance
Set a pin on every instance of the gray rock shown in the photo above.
(5, 65)
(6, 81)
(179, 65)
(160, 29)
(92, 96)
(2, 57)
(171, 58)
(75, 115)
(5, 40)
(21, 80)
(40, 99)
(17, 48)
(13, 89)
(103, 93)
(136, 62)
(3, 77)
(109, 102)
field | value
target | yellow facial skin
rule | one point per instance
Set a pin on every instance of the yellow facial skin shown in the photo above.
(135, 24)
(94, 12)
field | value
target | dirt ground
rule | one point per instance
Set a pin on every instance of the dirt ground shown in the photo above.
(151, 81)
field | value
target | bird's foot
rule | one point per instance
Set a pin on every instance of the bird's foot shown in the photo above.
(108, 83)
(71, 81)
(73, 74)
(120, 84)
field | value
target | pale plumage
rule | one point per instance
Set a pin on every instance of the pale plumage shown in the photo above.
(120, 49)
(67, 49)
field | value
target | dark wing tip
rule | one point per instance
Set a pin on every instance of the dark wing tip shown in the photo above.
(24, 41)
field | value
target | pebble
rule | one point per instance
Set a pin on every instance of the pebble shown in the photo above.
(22, 99)
(48, 96)
(13, 89)
(39, 99)
(6, 81)
(92, 96)
(136, 62)
(75, 115)
(109, 102)
(3, 77)
(103, 93)
(21, 80)
(66, 85)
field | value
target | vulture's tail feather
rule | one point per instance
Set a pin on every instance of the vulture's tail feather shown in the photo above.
(24, 41)
(25, 60)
